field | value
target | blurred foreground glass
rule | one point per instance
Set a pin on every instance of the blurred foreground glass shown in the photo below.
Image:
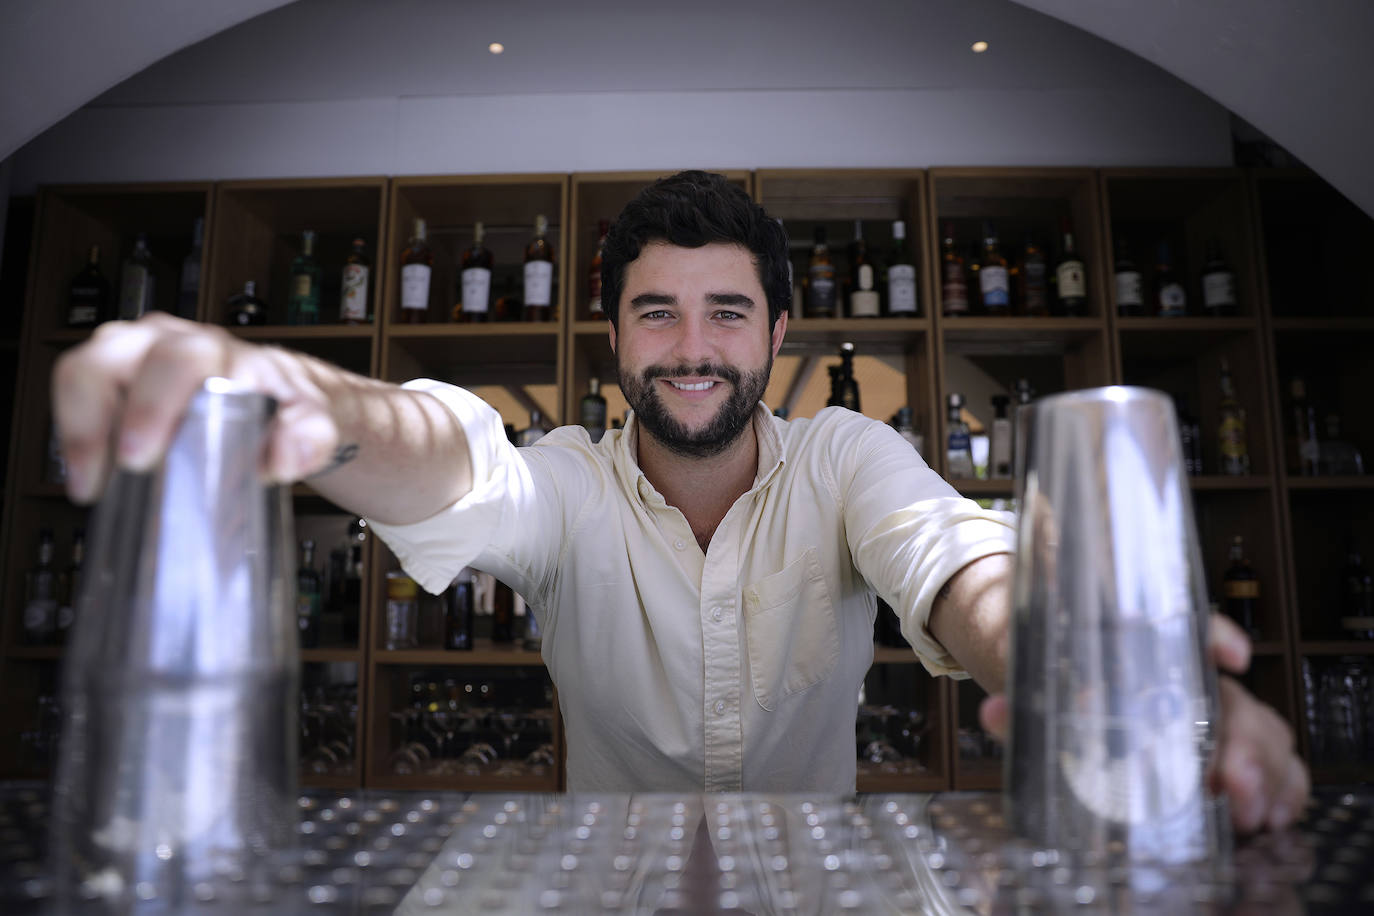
(1114, 699)
(177, 770)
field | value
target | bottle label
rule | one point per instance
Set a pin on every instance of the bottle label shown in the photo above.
(863, 303)
(1072, 283)
(901, 289)
(1232, 443)
(353, 306)
(865, 276)
(415, 286)
(40, 615)
(999, 449)
(1130, 290)
(954, 291)
(1219, 290)
(538, 283)
(1173, 301)
(81, 314)
(820, 293)
(996, 288)
(1242, 588)
(476, 290)
(300, 286)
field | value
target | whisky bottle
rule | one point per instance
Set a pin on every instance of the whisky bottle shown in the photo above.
(88, 298)
(849, 386)
(136, 283)
(402, 611)
(534, 432)
(188, 289)
(592, 410)
(69, 586)
(999, 445)
(1218, 283)
(1241, 589)
(1357, 604)
(351, 594)
(539, 274)
(40, 598)
(1034, 276)
(356, 276)
(304, 305)
(819, 292)
(994, 284)
(246, 308)
(1071, 277)
(902, 299)
(1130, 288)
(1304, 448)
(1171, 298)
(864, 301)
(474, 292)
(953, 285)
(417, 263)
(594, 307)
(1022, 393)
(959, 450)
(308, 597)
(459, 613)
(834, 399)
(907, 430)
(1231, 436)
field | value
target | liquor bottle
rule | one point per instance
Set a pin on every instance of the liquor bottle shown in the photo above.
(136, 283)
(592, 410)
(1357, 604)
(69, 586)
(907, 430)
(40, 598)
(356, 277)
(350, 607)
(1304, 448)
(594, 307)
(246, 308)
(974, 265)
(503, 613)
(459, 613)
(402, 611)
(534, 432)
(188, 290)
(953, 284)
(474, 291)
(308, 597)
(1170, 296)
(1034, 276)
(819, 291)
(999, 446)
(1242, 591)
(1218, 283)
(1335, 456)
(1190, 437)
(849, 386)
(1231, 436)
(1130, 285)
(1021, 394)
(304, 305)
(864, 301)
(539, 274)
(417, 263)
(902, 298)
(1071, 277)
(994, 284)
(834, 399)
(959, 452)
(88, 298)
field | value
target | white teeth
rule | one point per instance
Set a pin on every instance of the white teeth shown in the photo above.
(699, 386)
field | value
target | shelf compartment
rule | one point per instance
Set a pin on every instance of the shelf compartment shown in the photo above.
(485, 653)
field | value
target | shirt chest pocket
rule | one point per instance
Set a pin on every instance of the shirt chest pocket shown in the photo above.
(790, 627)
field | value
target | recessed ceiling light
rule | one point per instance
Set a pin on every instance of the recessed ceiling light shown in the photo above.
(979, 47)
(496, 47)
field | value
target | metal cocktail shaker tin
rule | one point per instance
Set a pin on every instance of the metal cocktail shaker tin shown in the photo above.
(177, 767)
(1114, 698)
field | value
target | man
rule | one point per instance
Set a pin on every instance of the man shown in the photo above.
(704, 579)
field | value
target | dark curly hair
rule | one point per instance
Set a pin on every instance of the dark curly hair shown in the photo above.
(692, 209)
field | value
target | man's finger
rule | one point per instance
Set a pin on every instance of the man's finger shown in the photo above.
(995, 716)
(1257, 747)
(1228, 645)
(172, 371)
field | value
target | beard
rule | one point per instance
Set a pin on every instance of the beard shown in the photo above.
(746, 389)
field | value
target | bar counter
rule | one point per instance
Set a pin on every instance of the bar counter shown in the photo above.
(412, 852)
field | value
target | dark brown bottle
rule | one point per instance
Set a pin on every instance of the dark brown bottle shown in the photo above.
(538, 303)
(1071, 277)
(88, 298)
(953, 281)
(459, 613)
(417, 264)
(1241, 589)
(474, 281)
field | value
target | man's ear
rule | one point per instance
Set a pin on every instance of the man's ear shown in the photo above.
(779, 330)
(611, 325)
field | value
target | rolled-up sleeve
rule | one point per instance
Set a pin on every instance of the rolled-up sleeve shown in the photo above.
(909, 532)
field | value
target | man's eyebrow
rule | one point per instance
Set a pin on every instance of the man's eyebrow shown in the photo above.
(733, 300)
(645, 300)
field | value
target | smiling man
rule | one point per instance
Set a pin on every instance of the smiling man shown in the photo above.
(705, 578)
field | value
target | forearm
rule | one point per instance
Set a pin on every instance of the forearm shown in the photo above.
(971, 618)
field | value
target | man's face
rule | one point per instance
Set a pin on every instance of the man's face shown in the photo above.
(693, 350)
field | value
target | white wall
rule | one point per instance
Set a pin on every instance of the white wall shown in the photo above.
(407, 87)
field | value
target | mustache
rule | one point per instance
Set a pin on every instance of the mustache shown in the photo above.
(727, 373)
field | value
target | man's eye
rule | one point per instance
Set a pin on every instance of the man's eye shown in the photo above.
(655, 315)
(730, 316)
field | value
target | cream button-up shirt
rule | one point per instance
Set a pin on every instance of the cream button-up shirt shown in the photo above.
(733, 670)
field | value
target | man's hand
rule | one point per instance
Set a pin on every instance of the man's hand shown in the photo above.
(1256, 763)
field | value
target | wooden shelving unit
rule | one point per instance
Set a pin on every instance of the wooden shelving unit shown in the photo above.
(1286, 325)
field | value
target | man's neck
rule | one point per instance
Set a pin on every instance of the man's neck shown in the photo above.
(702, 489)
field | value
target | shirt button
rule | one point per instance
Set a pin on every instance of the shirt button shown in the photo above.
(680, 544)
(716, 613)
(720, 706)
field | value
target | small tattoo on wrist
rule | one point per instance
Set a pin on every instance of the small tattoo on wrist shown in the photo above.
(342, 455)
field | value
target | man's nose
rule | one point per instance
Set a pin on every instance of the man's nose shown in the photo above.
(694, 345)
